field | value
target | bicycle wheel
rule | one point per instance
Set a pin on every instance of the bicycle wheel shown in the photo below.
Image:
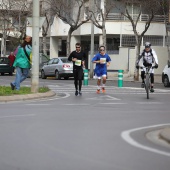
(147, 85)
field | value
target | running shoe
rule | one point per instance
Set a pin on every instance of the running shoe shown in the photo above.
(103, 90)
(80, 93)
(152, 90)
(98, 91)
(12, 86)
(142, 85)
(76, 93)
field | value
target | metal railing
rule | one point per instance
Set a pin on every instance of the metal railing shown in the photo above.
(143, 17)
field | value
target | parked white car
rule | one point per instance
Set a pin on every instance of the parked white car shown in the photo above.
(166, 75)
(57, 67)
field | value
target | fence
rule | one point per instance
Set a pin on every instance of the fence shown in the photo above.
(143, 17)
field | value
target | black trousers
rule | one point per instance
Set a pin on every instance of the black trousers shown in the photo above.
(143, 76)
(78, 75)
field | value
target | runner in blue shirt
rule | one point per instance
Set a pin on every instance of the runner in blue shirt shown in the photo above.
(102, 61)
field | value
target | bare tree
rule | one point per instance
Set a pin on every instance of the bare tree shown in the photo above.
(44, 12)
(150, 7)
(12, 11)
(165, 5)
(70, 12)
(99, 15)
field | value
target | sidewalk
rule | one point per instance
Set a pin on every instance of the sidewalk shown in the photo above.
(165, 134)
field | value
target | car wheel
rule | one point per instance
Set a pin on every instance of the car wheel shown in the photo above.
(66, 78)
(43, 76)
(57, 75)
(2, 74)
(166, 81)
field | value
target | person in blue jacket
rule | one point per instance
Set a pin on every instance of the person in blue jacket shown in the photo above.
(102, 61)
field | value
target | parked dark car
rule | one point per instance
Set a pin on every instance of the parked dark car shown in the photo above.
(57, 67)
(5, 66)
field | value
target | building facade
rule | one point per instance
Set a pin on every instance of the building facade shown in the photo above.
(119, 37)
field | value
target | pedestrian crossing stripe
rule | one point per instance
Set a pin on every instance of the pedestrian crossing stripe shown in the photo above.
(110, 89)
(105, 97)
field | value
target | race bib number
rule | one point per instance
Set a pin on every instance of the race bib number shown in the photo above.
(102, 60)
(78, 62)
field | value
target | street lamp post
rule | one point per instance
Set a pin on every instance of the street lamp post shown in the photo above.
(92, 43)
(35, 48)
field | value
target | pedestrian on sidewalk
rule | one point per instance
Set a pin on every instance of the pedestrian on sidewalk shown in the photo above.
(11, 60)
(22, 62)
(102, 61)
(78, 59)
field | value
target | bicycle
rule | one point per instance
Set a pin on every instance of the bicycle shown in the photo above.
(147, 81)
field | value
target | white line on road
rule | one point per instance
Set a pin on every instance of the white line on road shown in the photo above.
(148, 102)
(126, 136)
(75, 104)
(11, 116)
(112, 103)
(105, 97)
(38, 104)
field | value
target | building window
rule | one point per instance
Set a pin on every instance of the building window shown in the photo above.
(154, 40)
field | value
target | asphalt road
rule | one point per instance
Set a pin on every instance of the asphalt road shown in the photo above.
(89, 132)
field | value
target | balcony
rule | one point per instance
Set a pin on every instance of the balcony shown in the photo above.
(143, 17)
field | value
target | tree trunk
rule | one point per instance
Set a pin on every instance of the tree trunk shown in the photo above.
(44, 45)
(104, 36)
(68, 41)
(3, 45)
(136, 71)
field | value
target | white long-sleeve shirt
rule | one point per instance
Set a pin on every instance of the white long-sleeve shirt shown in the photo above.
(149, 57)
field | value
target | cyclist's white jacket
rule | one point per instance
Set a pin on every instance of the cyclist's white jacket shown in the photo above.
(149, 57)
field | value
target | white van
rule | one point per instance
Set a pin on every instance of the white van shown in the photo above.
(166, 75)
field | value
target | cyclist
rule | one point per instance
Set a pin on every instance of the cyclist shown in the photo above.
(148, 57)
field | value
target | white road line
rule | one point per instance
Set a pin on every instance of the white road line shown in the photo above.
(75, 104)
(148, 102)
(112, 103)
(38, 104)
(106, 97)
(13, 116)
(126, 136)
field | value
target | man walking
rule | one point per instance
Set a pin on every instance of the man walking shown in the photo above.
(78, 58)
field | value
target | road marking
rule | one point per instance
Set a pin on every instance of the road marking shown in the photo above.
(105, 97)
(49, 99)
(38, 104)
(112, 103)
(126, 136)
(11, 116)
(148, 102)
(75, 104)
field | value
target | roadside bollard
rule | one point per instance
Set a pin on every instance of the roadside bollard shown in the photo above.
(120, 78)
(85, 77)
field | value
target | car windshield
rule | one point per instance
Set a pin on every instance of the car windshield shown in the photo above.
(4, 61)
(65, 60)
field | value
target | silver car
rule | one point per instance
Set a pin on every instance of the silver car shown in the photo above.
(57, 67)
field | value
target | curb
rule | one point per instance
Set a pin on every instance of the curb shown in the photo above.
(27, 96)
(165, 134)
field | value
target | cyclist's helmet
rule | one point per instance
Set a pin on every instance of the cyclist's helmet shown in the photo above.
(147, 45)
